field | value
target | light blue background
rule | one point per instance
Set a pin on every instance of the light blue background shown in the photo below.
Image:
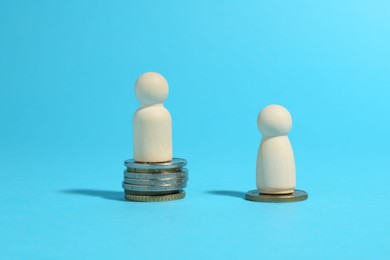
(67, 70)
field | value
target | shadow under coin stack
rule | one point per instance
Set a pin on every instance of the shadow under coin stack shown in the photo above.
(155, 181)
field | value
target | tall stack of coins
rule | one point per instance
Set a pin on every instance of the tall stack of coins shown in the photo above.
(155, 181)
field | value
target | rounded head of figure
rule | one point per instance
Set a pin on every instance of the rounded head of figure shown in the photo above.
(151, 88)
(274, 120)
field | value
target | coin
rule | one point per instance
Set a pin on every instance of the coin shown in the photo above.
(297, 195)
(155, 181)
(150, 193)
(155, 198)
(156, 175)
(175, 163)
(161, 187)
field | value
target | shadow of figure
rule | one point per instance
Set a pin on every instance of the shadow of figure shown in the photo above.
(105, 194)
(230, 193)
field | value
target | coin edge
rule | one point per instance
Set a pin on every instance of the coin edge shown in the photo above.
(154, 198)
(253, 195)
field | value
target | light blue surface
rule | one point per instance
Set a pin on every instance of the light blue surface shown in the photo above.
(67, 70)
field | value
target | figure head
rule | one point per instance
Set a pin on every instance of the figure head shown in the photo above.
(274, 120)
(151, 88)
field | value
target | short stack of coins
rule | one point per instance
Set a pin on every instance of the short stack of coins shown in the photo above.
(155, 181)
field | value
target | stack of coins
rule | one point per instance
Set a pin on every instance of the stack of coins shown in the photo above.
(155, 181)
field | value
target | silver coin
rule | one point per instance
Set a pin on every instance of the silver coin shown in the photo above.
(137, 175)
(151, 198)
(147, 188)
(138, 181)
(297, 195)
(150, 170)
(150, 193)
(175, 163)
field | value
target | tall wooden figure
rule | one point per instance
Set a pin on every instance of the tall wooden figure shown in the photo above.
(152, 123)
(275, 169)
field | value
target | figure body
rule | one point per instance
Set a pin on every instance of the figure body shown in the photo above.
(152, 123)
(275, 169)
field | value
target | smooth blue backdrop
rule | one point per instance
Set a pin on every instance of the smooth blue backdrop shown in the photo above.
(67, 70)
